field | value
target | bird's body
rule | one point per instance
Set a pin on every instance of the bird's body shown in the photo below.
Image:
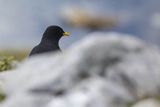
(42, 48)
(49, 41)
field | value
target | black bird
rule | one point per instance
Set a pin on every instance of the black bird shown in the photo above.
(49, 41)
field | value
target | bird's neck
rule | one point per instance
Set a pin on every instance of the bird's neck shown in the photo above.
(49, 42)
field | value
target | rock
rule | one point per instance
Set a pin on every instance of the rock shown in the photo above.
(104, 70)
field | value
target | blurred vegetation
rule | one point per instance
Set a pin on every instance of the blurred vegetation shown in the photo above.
(18, 55)
(7, 57)
(2, 96)
(6, 63)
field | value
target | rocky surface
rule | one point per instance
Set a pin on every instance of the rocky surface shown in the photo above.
(103, 70)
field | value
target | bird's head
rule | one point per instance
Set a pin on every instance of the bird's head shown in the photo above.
(54, 32)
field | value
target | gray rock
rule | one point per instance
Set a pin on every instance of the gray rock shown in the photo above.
(104, 70)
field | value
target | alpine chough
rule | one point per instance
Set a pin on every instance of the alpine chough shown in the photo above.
(49, 41)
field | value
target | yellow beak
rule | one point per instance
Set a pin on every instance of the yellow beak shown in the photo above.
(66, 34)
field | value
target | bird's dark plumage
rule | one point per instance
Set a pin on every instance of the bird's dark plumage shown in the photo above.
(49, 41)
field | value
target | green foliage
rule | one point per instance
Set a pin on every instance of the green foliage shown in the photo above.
(6, 62)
